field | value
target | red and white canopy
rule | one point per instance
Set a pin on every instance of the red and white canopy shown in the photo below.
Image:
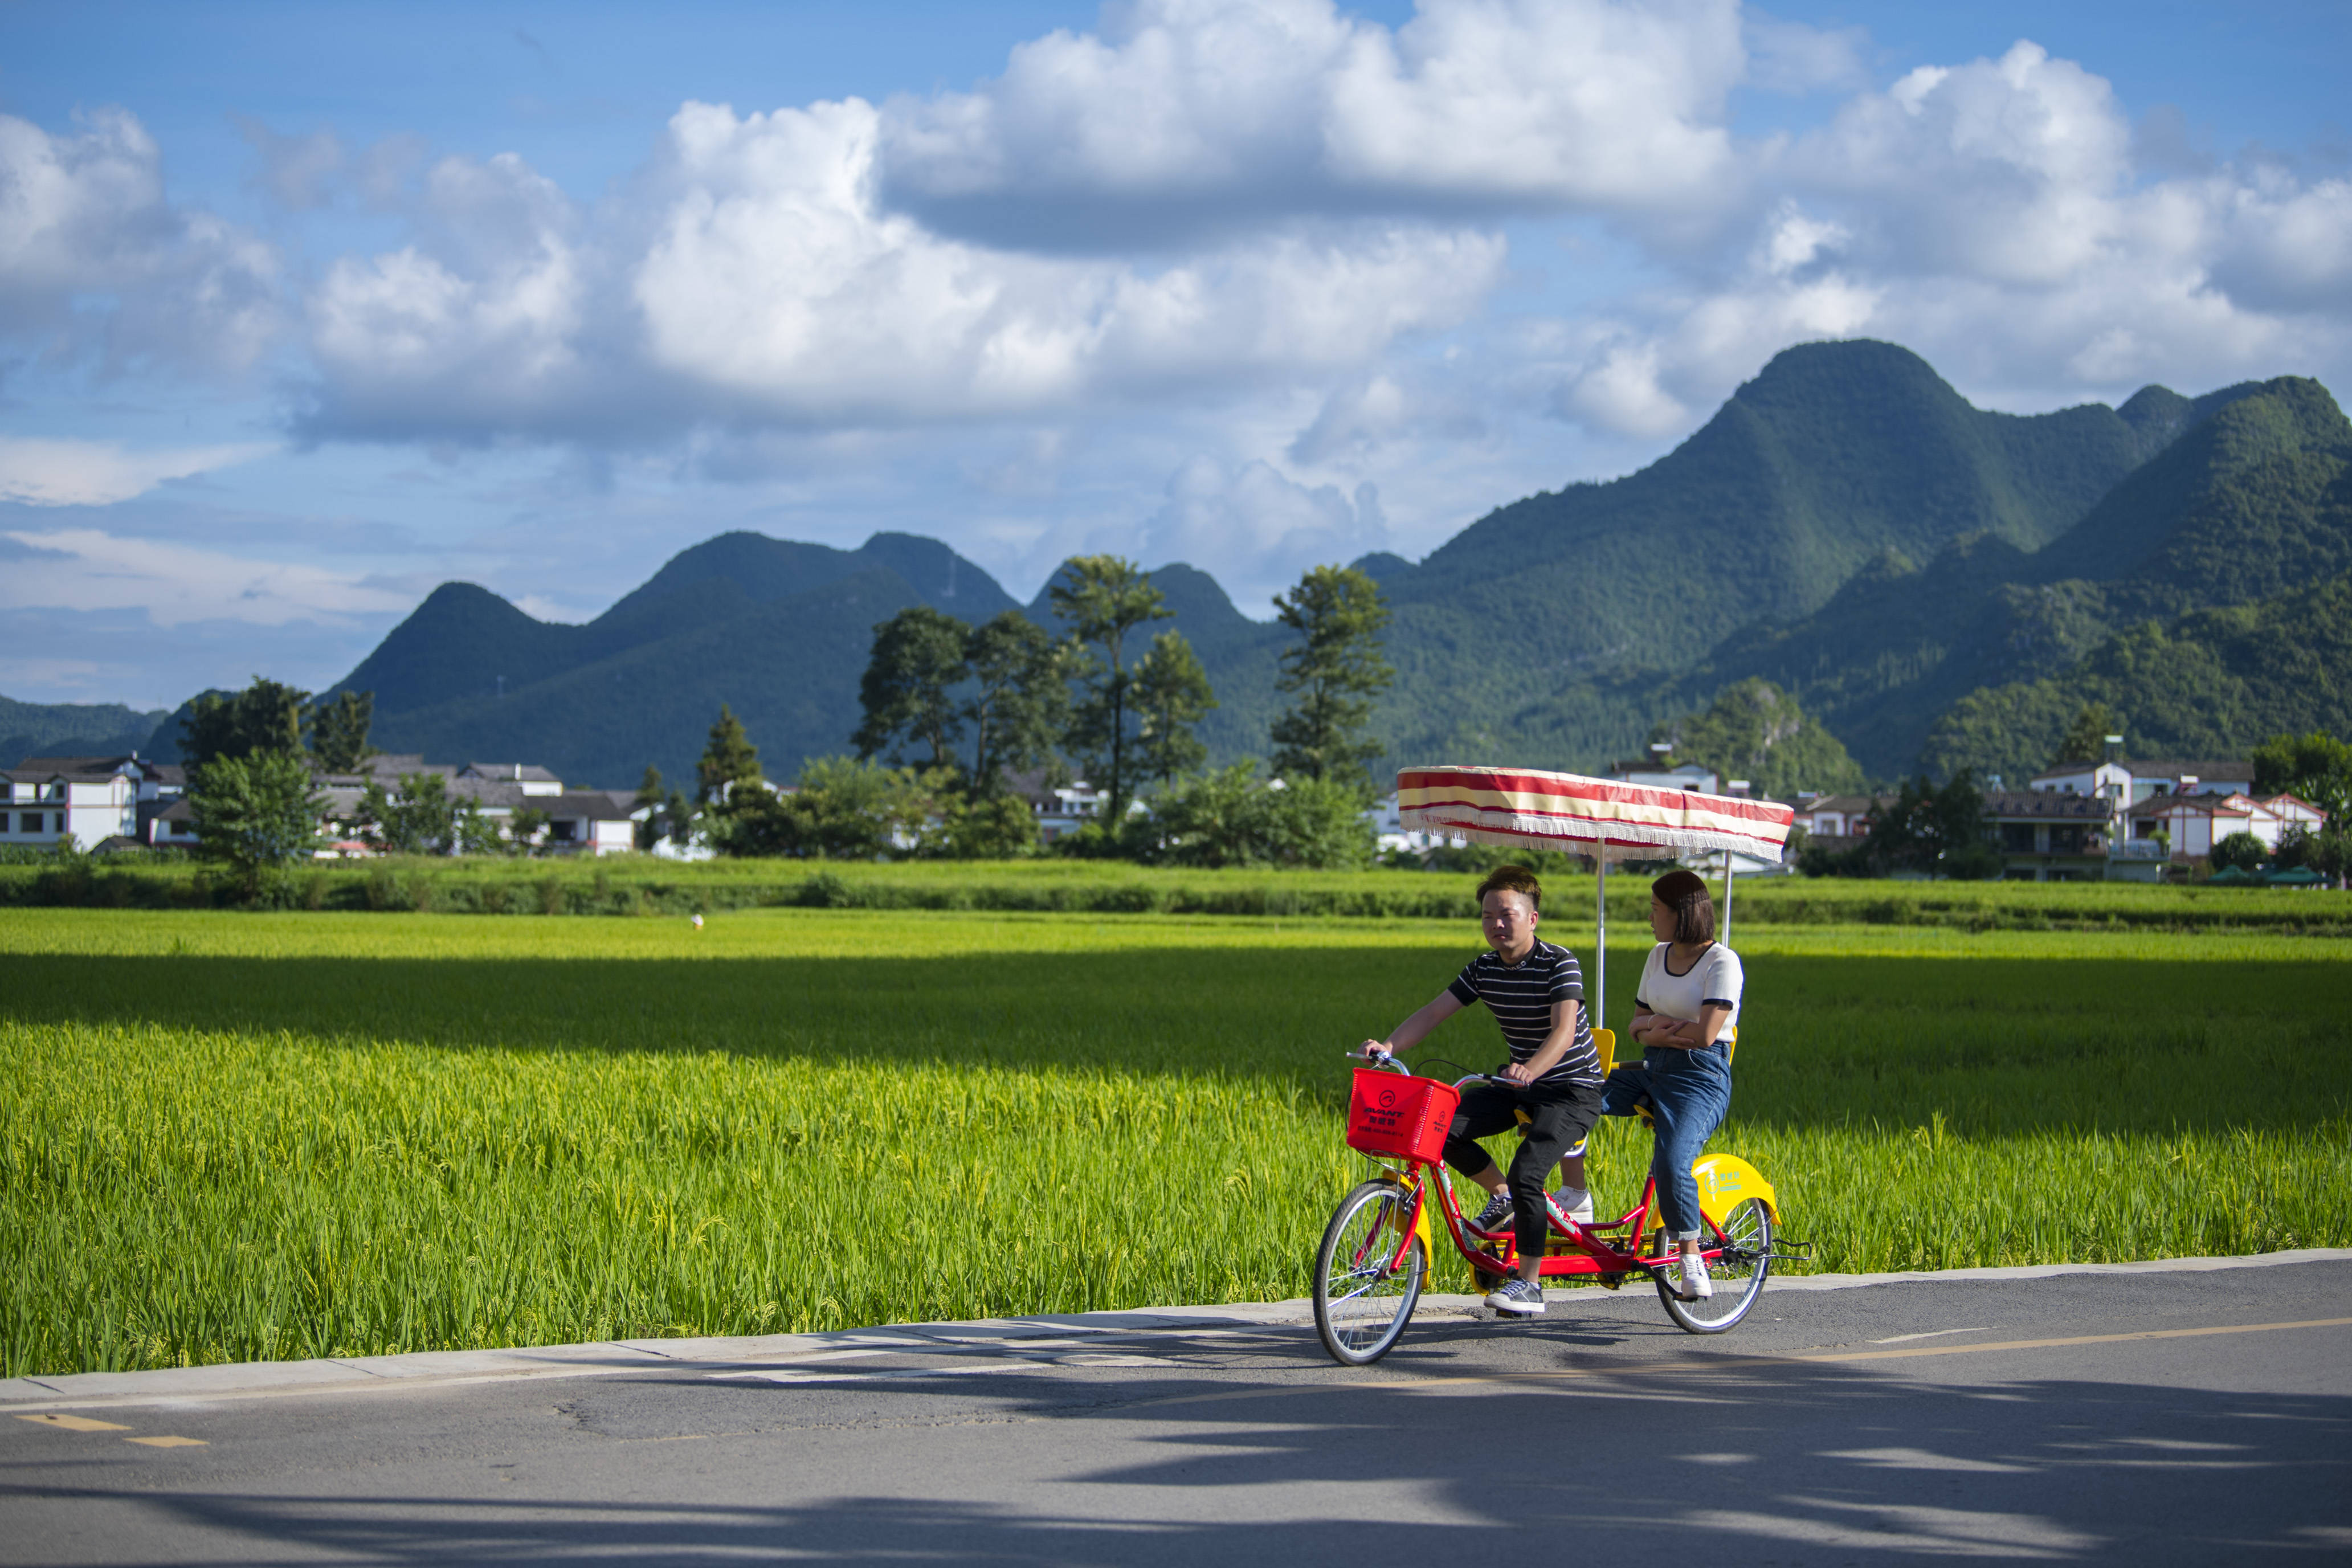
(1567, 812)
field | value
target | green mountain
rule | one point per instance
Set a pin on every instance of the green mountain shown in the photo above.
(1847, 528)
(1542, 630)
(2212, 683)
(776, 629)
(2246, 501)
(71, 729)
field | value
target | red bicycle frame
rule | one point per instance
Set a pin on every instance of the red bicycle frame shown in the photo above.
(1576, 1250)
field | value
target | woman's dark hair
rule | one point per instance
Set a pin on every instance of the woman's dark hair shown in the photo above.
(1685, 893)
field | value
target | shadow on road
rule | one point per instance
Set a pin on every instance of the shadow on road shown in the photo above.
(1754, 1460)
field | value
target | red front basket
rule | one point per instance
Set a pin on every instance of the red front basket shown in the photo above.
(1404, 1118)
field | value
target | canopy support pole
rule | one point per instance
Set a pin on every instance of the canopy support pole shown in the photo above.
(1601, 939)
(1727, 898)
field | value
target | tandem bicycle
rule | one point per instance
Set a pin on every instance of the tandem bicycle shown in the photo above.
(1376, 1252)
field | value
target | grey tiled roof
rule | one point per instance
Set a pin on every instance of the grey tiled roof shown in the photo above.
(2043, 805)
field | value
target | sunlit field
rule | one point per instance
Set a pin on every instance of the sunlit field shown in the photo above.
(228, 1136)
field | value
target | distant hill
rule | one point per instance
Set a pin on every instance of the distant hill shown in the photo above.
(2212, 683)
(72, 730)
(1847, 527)
(779, 630)
(2247, 501)
(1541, 630)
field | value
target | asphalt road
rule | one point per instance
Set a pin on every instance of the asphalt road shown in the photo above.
(2148, 1417)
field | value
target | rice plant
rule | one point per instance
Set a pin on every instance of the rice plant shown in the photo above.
(227, 1137)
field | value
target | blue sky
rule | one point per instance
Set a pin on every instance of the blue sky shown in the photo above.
(304, 310)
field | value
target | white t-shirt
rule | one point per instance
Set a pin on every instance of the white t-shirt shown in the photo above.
(1715, 977)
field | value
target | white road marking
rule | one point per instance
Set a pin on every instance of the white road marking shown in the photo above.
(1933, 1334)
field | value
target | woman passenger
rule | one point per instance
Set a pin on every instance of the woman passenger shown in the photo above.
(1685, 1016)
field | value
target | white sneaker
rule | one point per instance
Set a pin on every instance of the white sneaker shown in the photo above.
(1563, 1210)
(1694, 1285)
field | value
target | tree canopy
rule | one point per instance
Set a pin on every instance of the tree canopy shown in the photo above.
(1332, 673)
(1756, 732)
(265, 717)
(1101, 599)
(256, 813)
(339, 732)
(728, 759)
(919, 657)
(1171, 695)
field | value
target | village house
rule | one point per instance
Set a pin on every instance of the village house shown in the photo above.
(101, 802)
(2049, 836)
(1662, 773)
(1061, 809)
(90, 801)
(2193, 825)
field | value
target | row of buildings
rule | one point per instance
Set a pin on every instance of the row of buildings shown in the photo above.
(103, 803)
(2114, 820)
(99, 802)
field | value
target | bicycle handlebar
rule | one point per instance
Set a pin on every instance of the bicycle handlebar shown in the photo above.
(1386, 1062)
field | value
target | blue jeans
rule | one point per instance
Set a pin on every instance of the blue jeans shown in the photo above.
(1688, 1094)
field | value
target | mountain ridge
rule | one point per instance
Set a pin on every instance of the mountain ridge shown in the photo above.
(1846, 524)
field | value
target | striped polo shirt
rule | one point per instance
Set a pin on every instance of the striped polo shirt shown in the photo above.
(1521, 994)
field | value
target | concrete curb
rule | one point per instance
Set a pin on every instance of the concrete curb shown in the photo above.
(273, 1379)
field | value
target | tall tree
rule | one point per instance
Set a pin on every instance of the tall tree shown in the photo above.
(728, 759)
(2086, 737)
(1333, 672)
(339, 732)
(1101, 599)
(1171, 695)
(650, 799)
(256, 813)
(918, 660)
(264, 717)
(1018, 703)
(2316, 767)
(421, 819)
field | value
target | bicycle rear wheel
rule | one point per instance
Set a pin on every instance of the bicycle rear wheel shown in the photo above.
(1362, 1304)
(1746, 1237)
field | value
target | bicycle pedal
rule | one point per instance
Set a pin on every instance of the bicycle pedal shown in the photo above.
(1611, 1281)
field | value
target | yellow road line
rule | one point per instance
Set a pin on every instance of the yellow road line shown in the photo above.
(168, 1442)
(75, 1423)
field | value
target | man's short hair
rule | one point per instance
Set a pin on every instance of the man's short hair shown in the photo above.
(1685, 893)
(1512, 879)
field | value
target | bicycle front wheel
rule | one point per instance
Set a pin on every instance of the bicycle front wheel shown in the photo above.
(1364, 1293)
(1746, 1237)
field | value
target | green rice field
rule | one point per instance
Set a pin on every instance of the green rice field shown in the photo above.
(230, 1136)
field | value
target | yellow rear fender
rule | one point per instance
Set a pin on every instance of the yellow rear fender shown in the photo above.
(1727, 1180)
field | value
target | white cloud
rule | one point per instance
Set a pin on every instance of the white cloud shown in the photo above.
(1188, 117)
(89, 569)
(94, 258)
(1257, 530)
(1990, 215)
(752, 276)
(1369, 415)
(97, 473)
